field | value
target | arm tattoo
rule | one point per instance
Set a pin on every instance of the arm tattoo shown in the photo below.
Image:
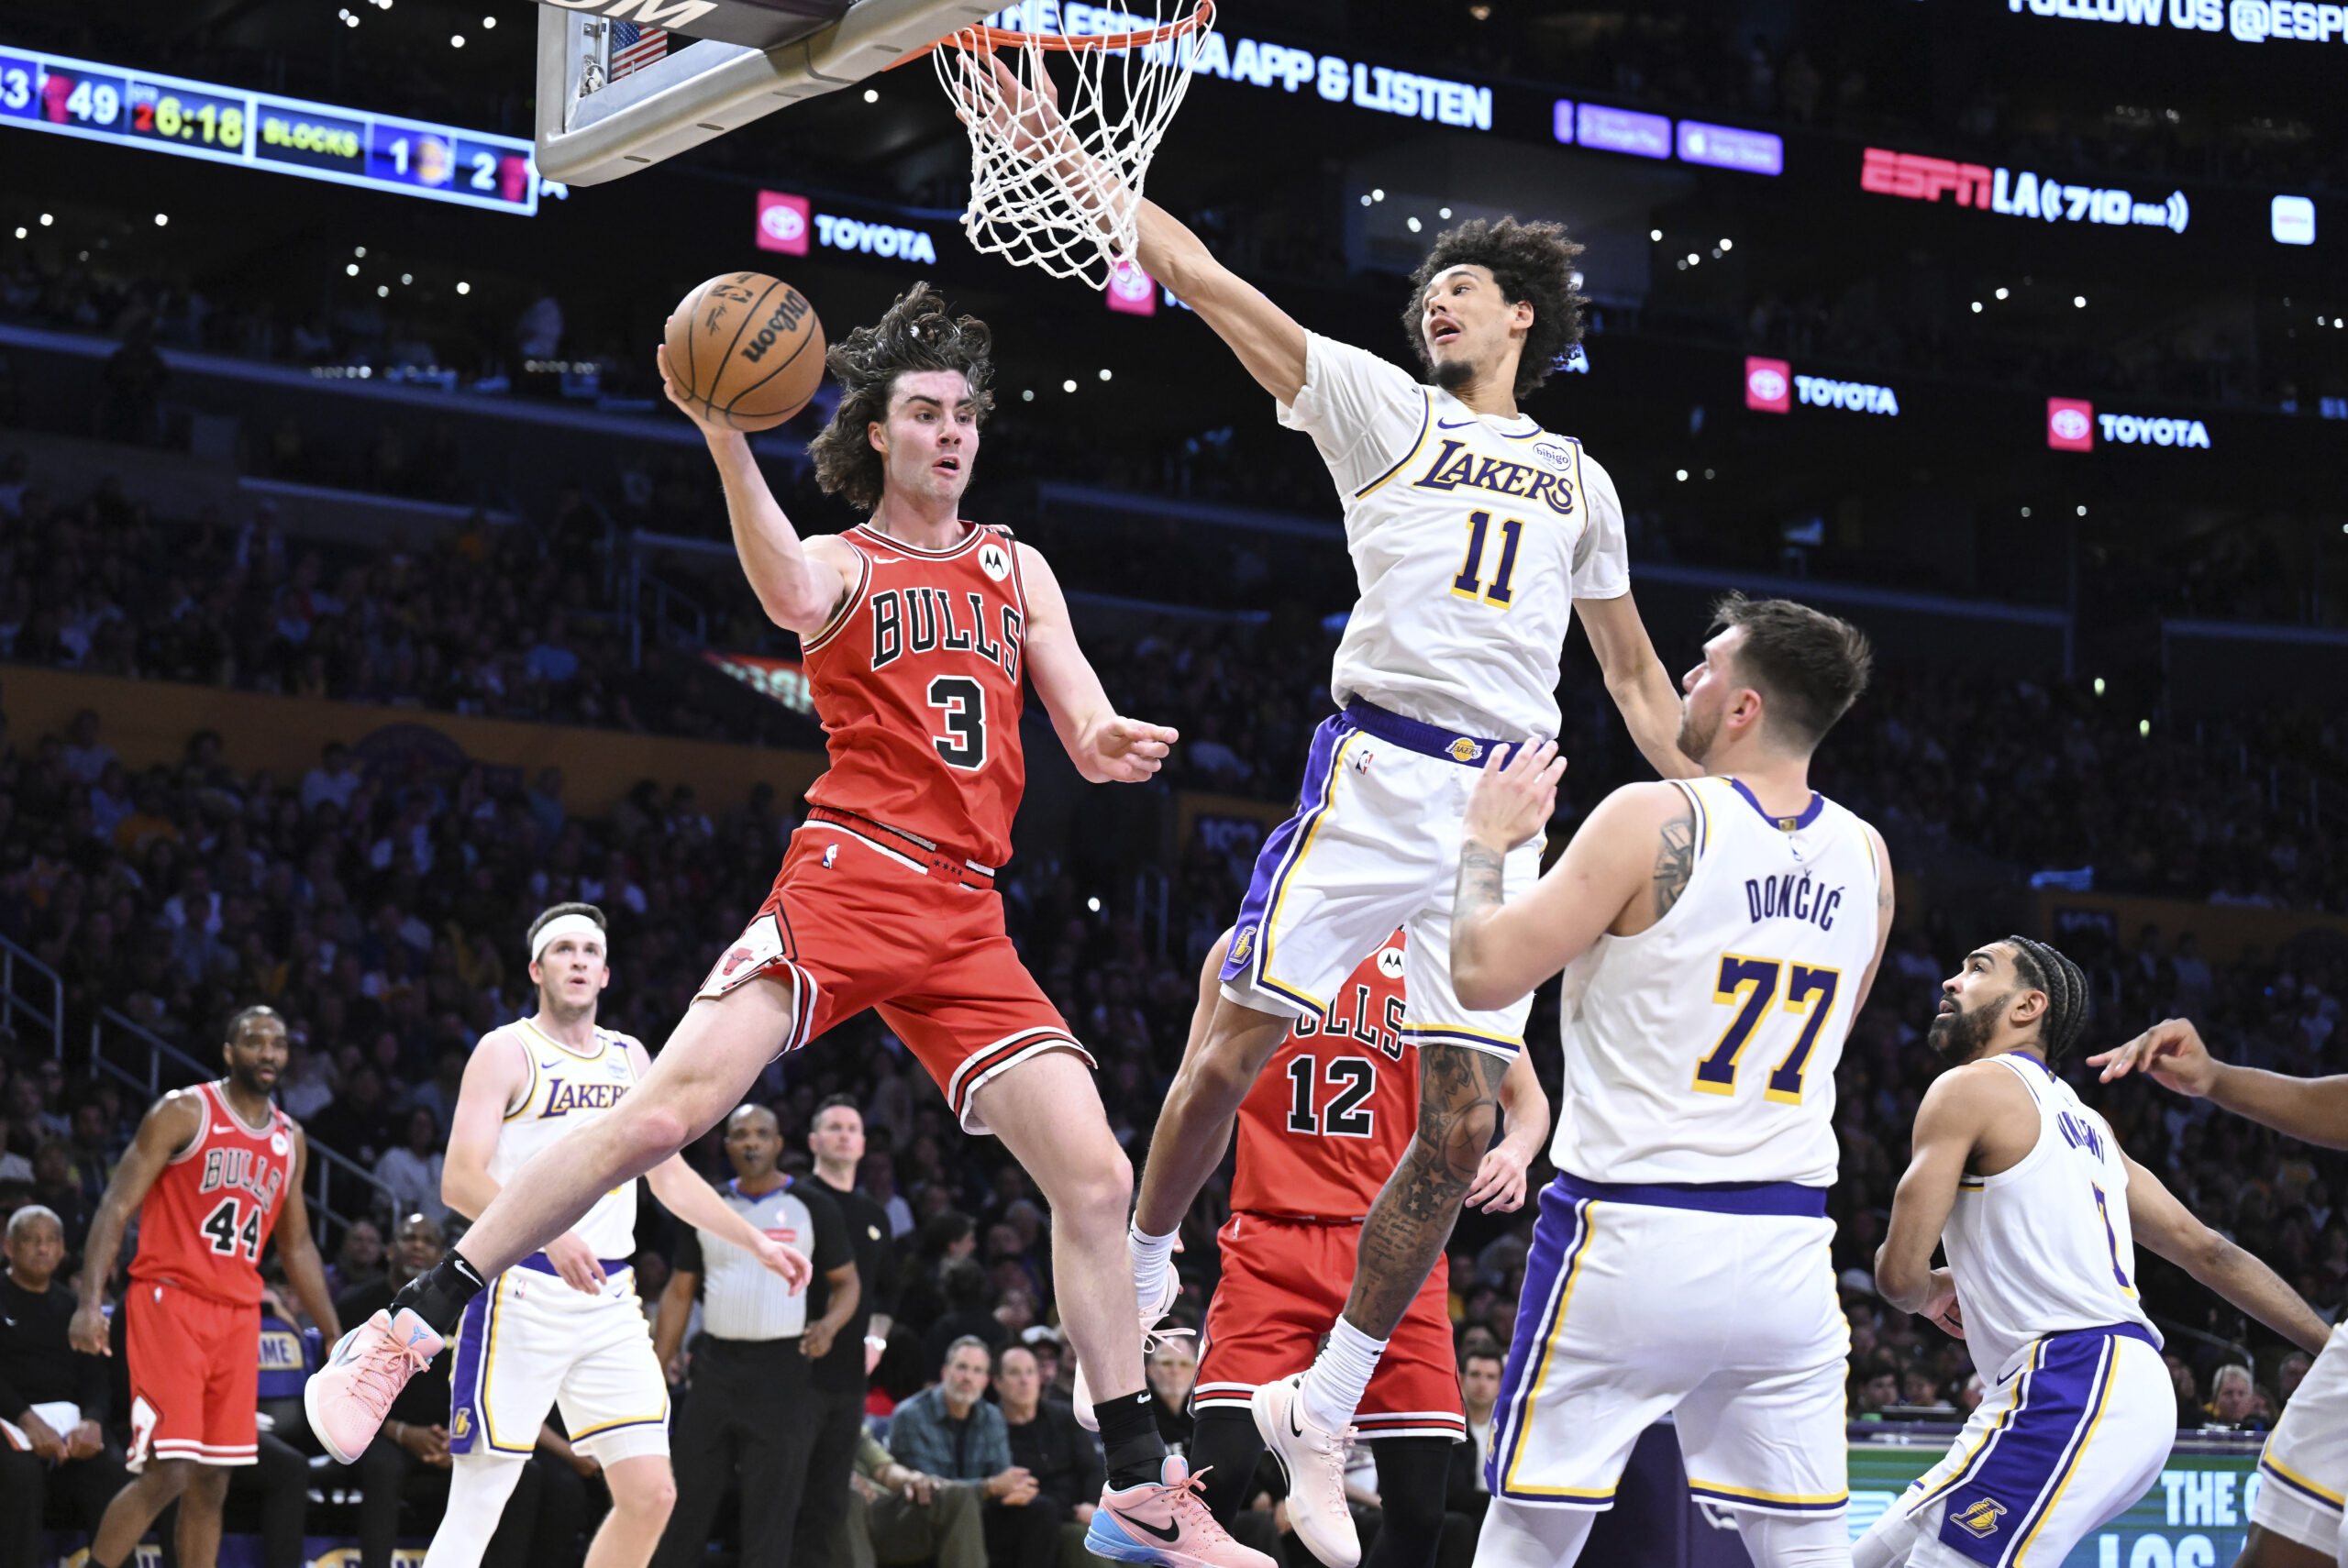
(1479, 881)
(1674, 859)
(1411, 1223)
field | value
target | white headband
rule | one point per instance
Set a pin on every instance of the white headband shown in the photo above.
(577, 925)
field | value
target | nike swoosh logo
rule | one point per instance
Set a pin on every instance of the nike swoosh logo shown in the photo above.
(1169, 1535)
(886, 561)
(224, 1130)
(1295, 1429)
(1447, 424)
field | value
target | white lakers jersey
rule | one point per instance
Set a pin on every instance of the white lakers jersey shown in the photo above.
(1471, 538)
(2045, 1245)
(566, 1091)
(1703, 1048)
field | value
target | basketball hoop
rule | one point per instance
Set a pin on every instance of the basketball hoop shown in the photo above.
(1057, 186)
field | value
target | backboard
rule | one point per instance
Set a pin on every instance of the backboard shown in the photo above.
(748, 60)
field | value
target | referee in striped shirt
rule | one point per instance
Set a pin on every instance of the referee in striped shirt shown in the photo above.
(746, 1408)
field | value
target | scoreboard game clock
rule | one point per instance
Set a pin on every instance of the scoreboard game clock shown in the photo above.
(264, 131)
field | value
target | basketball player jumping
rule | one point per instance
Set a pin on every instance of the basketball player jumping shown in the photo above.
(1718, 936)
(917, 627)
(562, 1325)
(2024, 1186)
(1324, 1126)
(2295, 1520)
(194, 1305)
(1475, 537)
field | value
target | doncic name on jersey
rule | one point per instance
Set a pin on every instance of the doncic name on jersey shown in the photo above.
(1793, 896)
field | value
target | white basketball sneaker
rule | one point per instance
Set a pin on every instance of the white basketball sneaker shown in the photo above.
(1152, 1313)
(1313, 1460)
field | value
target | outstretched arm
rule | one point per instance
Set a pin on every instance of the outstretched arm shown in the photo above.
(1105, 746)
(170, 1124)
(1268, 339)
(2164, 1225)
(2314, 1111)
(683, 1192)
(1635, 678)
(799, 582)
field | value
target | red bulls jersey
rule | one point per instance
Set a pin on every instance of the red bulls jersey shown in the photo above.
(209, 1214)
(917, 681)
(1335, 1110)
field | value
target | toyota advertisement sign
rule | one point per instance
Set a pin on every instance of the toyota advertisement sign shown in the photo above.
(1768, 386)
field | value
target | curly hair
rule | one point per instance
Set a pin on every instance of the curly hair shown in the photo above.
(915, 334)
(1531, 263)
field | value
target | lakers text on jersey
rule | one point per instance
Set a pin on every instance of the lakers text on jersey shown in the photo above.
(531, 1341)
(2078, 1412)
(1681, 1263)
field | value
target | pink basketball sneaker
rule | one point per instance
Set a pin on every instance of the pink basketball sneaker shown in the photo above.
(348, 1398)
(1166, 1522)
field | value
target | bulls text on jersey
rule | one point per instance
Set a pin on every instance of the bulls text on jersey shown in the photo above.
(243, 1170)
(917, 620)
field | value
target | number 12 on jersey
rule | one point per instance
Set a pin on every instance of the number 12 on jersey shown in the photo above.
(1750, 986)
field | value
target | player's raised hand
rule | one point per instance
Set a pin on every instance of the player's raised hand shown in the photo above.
(1126, 751)
(692, 408)
(1515, 794)
(575, 1262)
(2171, 1051)
(791, 1266)
(1499, 1181)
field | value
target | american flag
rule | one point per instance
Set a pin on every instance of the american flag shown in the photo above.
(635, 45)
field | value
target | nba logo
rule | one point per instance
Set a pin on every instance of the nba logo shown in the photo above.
(1769, 386)
(782, 223)
(1131, 290)
(2070, 425)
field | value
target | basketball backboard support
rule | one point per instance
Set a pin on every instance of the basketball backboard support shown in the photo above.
(749, 60)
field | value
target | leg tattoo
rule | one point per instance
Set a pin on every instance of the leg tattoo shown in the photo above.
(1411, 1223)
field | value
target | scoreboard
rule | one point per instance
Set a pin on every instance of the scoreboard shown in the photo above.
(62, 96)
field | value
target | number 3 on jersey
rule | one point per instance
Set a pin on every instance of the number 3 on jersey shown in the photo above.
(1750, 985)
(224, 1235)
(964, 703)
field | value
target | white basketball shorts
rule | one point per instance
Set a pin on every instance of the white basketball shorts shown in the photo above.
(2072, 1439)
(530, 1342)
(2303, 1473)
(1374, 845)
(1714, 1304)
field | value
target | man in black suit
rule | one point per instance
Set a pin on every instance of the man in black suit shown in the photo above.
(39, 1366)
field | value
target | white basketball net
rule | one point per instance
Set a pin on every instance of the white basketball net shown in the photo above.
(1059, 188)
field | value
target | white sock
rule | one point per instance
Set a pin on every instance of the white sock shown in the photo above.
(1152, 1256)
(1334, 1384)
(479, 1486)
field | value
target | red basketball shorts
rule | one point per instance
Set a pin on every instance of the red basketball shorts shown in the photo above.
(1284, 1283)
(195, 1375)
(855, 920)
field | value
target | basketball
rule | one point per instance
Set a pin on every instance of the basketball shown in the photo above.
(747, 348)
